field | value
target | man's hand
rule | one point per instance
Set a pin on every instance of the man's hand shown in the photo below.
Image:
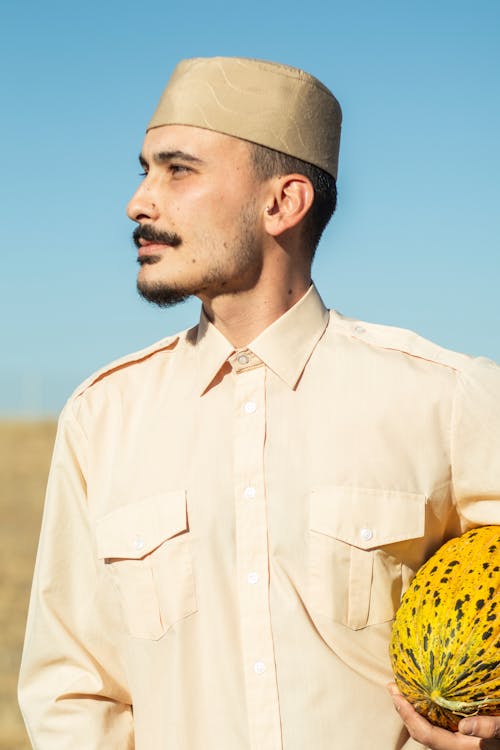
(474, 733)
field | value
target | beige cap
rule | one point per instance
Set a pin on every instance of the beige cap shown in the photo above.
(267, 103)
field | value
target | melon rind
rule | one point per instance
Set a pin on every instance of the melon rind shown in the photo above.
(445, 646)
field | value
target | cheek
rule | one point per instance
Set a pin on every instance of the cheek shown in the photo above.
(225, 213)
(201, 212)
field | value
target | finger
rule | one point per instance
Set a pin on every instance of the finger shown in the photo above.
(434, 737)
(393, 688)
(487, 727)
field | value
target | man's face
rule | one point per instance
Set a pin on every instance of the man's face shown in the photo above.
(199, 213)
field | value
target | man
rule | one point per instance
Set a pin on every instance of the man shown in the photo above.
(233, 513)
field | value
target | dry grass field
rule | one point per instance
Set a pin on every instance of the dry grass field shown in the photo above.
(25, 450)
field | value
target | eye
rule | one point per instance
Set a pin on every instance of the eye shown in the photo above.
(179, 168)
(143, 174)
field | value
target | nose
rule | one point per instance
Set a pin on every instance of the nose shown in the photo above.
(141, 206)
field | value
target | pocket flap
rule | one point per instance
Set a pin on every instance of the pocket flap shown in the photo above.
(365, 517)
(133, 531)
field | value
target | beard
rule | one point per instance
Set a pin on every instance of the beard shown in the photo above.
(237, 272)
(157, 292)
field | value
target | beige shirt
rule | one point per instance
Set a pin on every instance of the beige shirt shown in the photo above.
(227, 535)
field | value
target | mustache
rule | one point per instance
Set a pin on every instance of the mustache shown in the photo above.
(150, 234)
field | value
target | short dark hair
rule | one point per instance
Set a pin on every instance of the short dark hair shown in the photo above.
(267, 163)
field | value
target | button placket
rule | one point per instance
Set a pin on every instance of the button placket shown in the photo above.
(252, 560)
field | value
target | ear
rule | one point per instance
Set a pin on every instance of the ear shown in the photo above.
(289, 200)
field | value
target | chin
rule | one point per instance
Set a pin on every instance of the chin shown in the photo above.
(151, 274)
(159, 292)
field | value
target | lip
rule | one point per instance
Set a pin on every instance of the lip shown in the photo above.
(150, 248)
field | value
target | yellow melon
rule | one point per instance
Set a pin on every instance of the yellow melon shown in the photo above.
(445, 647)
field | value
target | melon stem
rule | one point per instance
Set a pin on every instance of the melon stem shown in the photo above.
(458, 707)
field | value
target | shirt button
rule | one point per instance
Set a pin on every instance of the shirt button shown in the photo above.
(366, 534)
(243, 359)
(360, 329)
(249, 493)
(250, 407)
(252, 577)
(138, 543)
(259, 667)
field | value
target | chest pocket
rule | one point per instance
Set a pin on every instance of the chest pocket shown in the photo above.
(146, 546)
(357, 542)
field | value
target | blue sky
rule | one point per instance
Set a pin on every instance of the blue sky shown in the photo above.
(415, 241)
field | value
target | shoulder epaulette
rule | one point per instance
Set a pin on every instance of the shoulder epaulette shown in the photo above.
(399, 339)
(166, 344)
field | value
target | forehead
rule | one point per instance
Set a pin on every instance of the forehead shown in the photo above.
(206, 145)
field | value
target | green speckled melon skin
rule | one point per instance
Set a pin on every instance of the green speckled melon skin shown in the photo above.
(445, 647)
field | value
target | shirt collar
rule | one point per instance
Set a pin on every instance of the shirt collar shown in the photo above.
(285, 346)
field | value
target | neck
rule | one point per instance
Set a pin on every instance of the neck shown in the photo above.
(241, 316)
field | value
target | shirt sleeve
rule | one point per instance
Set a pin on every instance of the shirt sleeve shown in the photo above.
(72, 686)
(475, 443)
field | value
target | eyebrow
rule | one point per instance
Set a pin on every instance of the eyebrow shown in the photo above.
(162, 157)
